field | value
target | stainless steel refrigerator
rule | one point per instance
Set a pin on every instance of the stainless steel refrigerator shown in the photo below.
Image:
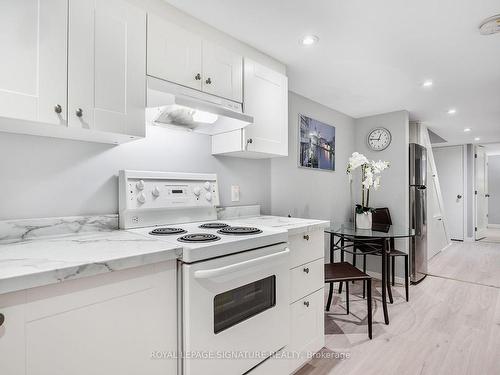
(418, 212)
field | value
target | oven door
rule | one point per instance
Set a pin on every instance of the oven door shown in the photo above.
(234, 309)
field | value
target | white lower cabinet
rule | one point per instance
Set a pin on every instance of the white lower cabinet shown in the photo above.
(307, 328)
(115, 323)
(307, 334)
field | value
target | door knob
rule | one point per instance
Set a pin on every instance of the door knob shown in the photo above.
(79, 112)
(197, 77)
(459, 196)
(306, 237)
(306, 303)
(487, 195)
(208, 81)
(58, 108)
(306, 269)
(2, 319)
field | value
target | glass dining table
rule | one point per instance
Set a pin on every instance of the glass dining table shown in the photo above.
(372, 241)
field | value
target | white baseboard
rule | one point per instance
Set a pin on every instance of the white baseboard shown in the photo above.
(496, 226)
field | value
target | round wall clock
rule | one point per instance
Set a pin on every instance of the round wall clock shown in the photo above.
(379, 139)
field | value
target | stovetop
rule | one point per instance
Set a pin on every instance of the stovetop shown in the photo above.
(206, 240)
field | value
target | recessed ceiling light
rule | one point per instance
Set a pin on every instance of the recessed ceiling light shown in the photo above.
(309, 40)
(477, 139)
(467, 130)
(427, 83)
(490, 25)
(452, 111)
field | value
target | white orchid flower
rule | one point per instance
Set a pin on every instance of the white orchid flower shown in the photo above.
(379, 166)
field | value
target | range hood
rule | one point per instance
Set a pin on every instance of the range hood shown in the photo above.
(172, 105)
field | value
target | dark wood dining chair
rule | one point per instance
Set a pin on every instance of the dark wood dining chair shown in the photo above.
(380, 217)
(344, 271)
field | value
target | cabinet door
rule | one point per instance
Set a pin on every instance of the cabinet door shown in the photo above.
(33, 63)
(307, 327)
(106, 324)
(107, 68)
(266, 99)
(222, 72)
(12, 343)
(174, 54)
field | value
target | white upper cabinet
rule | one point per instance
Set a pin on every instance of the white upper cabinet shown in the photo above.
(33, 40)
(107, 68)
(174, 54)
(180, 56)
(222, 72)
(266, 99)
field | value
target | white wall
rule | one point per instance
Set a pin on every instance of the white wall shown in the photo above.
(308, 193)
(494, 189)
(43, 177)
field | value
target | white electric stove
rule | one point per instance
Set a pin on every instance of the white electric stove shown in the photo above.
(234, 280)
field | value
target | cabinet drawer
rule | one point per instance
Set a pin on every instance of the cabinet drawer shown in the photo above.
(306, 279)
(306, 247)
(307, 328)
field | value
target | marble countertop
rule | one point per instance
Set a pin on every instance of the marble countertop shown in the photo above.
(53, 259)
(291, 224)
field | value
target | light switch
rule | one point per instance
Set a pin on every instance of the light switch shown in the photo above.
(235, 193)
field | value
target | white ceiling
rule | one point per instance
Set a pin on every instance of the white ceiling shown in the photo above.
(373, 56)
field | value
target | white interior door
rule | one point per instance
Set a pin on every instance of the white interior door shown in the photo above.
(481, 175)
(450, 168)
(107, 68)
(33, 65)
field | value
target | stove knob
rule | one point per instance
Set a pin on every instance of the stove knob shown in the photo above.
(141, 198)
(140, 185)
(206, 185)
(156, 192)
(208, 196)
(196, 191)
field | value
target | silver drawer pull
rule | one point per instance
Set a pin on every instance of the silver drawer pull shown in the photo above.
(306, 269)
(306, 237)
(306, 303)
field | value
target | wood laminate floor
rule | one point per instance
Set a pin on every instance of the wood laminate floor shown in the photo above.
(450, 326)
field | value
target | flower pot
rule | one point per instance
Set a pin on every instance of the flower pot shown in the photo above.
(364, 220)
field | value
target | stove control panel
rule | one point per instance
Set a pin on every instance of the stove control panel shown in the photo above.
(149, 197)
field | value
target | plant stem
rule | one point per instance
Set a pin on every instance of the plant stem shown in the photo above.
(362, 186)
(368, 198)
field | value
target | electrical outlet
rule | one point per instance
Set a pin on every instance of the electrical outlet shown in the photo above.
(235, 193)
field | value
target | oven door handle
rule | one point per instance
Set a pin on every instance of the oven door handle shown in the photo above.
(216, 272)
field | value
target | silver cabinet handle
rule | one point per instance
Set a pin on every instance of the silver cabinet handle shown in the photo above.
(306, 237)
(2, 319)
(306, 303)
(459, 196)
(79, 112)
(197, 77)
(306, 269)
(58, 108)
(208, 81)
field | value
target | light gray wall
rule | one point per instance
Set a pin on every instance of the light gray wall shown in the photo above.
(43, 177)
(308, 193)
(494, 189)
(393, 192)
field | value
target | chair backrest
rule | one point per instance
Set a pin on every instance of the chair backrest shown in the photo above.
(381, 216)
